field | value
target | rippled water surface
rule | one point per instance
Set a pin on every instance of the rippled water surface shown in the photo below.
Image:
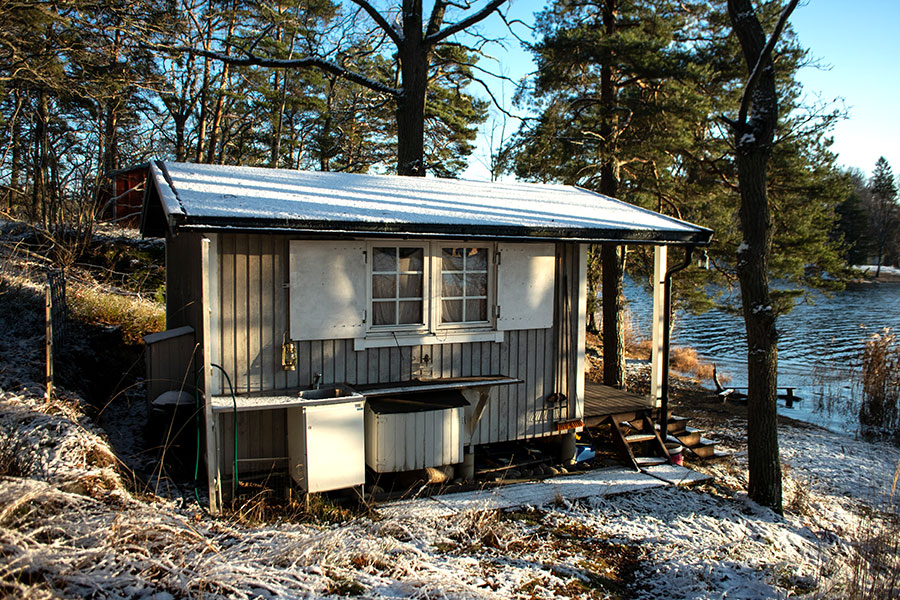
(820, 343)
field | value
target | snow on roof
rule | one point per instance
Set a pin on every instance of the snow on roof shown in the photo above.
(214, 197)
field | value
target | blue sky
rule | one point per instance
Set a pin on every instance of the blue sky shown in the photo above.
(856, 42)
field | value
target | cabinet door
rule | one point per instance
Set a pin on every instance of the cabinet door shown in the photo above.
(335, 450)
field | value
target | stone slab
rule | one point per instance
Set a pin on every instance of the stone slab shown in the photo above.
(676, 475)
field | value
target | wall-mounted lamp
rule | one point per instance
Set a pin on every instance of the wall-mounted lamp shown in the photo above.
(288, 354)
(703, 261)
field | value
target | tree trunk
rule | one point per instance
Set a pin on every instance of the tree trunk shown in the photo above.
(762, 338)
(411, 103)
(180, 148)
(612, 257)
(15, 168)
(753, 139)
(41, 163)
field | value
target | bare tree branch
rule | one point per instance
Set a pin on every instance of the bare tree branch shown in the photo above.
(764, 56)
(477, 17)
(437, 18)
(392, 33)
(328, 66)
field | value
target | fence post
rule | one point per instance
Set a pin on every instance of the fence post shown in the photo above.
(48, 306)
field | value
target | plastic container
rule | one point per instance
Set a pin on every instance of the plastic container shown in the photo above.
(675, 450)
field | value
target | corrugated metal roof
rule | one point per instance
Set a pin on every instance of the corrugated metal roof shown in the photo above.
(213, 197)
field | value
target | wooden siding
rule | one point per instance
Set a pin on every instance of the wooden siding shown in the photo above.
(183, 279)
(170, 363)
(253, 320)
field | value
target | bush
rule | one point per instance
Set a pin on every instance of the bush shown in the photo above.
(880, 409)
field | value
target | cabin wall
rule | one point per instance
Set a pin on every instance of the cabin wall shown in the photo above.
(252, 321)
(184, 276)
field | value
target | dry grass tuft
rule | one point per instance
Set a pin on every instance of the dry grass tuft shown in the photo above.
(875, 565)
(134, 316)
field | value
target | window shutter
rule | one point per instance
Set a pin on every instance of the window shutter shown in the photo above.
(327, 289)
(525, 278)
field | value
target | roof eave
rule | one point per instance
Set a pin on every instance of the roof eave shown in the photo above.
(698, 236)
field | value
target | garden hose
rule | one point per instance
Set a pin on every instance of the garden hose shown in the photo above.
(233, 426)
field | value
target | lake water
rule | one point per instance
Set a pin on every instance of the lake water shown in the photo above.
(818, 350)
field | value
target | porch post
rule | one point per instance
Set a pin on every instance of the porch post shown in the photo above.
(581, 330)
(657, 325)
(212, 457)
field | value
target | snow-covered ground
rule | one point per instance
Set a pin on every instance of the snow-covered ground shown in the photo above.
(69, 527)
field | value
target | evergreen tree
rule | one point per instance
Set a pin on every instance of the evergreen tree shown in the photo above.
(884, 213)
(853, 225)
(616, 102)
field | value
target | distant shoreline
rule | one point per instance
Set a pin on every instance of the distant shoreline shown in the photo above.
(887, 275)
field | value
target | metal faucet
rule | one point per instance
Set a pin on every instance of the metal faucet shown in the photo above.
(317, 381)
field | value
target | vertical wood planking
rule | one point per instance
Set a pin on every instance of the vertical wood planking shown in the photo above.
(240, 374)
(372, 372)
(254, 309)
(548, 370)
(280, 311)
(543, 414)
(226, 323)
(465, 368)
(329, 366)
(362, 366)
(384, 365)
(532, 407)
(269, 366)
(349, 361)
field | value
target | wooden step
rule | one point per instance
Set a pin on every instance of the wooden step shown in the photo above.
(639, 437)
(705, 448)
(690, 436)
(677, 423)
(650, 461)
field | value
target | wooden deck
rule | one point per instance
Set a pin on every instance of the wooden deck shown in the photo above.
(601, 401)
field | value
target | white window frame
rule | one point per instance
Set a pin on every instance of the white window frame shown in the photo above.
(432, 331)
(425, 325)
(437, 302)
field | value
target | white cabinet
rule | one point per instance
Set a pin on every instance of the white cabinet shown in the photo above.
(326, 445)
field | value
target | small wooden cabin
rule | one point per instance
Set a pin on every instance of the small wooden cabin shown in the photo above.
(441, 315)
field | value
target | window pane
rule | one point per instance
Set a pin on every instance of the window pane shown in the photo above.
(476, 284)
(452, 259)
(410, 286)
(476, 259)
(411, 311)
(384, 286)
(451, 311)
(452, 284)
(385, 259)
(411, 259)
(385, 313)
(476, 310)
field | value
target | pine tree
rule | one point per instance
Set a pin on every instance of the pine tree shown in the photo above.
(616, 100)
(884, 212)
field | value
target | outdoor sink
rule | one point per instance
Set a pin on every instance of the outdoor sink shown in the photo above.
(331, 392)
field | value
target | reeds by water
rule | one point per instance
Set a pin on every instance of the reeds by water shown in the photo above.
(879, 412)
